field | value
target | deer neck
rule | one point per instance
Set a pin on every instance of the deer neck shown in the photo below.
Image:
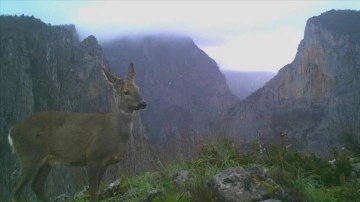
(123, 121)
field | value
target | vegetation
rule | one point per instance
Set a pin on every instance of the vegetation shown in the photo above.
(304, 176)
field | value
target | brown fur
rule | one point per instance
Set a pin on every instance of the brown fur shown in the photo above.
(75, 139)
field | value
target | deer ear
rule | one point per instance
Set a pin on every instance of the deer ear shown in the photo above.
(131, 72)
(110, 77)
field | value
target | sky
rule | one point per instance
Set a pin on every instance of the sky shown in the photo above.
(238, 35)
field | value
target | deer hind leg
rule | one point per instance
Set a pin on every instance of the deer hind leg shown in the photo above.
(28, 171)
(38, 183)
(95, 173)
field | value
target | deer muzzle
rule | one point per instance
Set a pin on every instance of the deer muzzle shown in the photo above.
(141, 105)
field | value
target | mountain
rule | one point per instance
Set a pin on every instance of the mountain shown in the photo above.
(315, 99)
(44, 67)
(183, 86)
(242, 84)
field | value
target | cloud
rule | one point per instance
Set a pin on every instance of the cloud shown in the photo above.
(244, 35)
(257, 51)
(219, 17)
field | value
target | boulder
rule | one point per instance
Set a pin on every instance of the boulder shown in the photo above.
(250, 183)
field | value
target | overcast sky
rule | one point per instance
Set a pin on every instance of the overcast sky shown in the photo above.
(239, 35)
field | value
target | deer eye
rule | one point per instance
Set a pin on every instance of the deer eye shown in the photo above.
(126, 92)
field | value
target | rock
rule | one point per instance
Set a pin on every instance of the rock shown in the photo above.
(111, 189)
(250, 183)
(181, 177)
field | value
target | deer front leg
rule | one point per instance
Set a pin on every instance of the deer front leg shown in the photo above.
(95, 173)
(39, 183)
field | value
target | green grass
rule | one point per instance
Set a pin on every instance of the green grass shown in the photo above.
(304, 176)
(314, 190)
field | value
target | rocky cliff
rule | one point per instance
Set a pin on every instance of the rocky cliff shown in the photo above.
(44, 67)
(184, 87)
(315, 99)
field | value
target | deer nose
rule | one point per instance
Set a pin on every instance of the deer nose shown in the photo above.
(142, 105)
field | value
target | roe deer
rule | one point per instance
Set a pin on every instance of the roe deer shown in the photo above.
(93, 140)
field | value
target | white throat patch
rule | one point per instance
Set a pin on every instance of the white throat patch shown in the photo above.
(10, 139)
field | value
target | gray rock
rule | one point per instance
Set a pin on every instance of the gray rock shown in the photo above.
(111, 189)
(250, 183)
(181, 177)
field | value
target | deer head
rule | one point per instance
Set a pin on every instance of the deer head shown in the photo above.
(127, 95)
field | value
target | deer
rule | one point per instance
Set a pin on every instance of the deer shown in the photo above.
(91, 140)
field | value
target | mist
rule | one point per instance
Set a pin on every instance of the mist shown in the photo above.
(234, 34)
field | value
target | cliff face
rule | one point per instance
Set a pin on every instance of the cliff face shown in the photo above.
(42, 68)
(185, 90)
(315, 99)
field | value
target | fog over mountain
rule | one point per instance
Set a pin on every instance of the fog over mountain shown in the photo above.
(242, 84)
